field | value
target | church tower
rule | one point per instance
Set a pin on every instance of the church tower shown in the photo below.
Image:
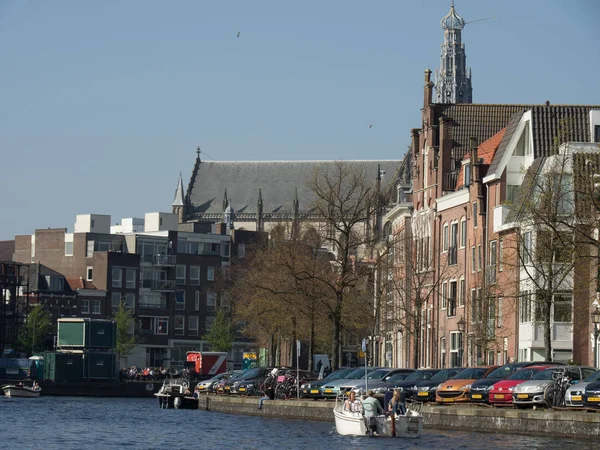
(453, 78)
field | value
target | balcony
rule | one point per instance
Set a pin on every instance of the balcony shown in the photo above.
(452, 256)
(165, 260)
(449, 181)
(159, 285)
(153, 305)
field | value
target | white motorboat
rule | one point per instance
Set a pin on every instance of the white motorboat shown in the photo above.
(175, 393)
(353, 423)
(20, 390)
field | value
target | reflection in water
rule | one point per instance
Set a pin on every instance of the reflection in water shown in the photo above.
(108, 423)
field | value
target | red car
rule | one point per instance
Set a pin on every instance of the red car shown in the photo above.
(501, 392)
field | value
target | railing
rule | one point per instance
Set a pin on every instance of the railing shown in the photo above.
(161, 305)
(165, 260)
(452, 256)
(159, 285)
(449, 181)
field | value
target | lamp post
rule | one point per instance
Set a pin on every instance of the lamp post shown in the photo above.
(596, 322)
(461, 329)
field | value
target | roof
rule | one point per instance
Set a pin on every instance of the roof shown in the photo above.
(79, 283)
(485, 153)
(214, 181)
(513, 123)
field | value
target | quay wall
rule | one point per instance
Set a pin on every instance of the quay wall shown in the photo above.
(577, 424)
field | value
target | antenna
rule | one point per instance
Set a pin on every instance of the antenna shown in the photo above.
(479, 20)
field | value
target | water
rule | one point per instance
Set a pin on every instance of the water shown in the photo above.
(107, 423)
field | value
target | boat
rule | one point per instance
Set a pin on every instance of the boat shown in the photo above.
(175, 393)
(354, 423)
(20, 390)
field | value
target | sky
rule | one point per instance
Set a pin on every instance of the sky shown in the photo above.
(102, 104)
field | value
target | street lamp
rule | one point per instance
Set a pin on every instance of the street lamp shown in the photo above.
(461, 329)
(596, 322)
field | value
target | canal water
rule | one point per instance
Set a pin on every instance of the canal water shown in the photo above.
(109, 423)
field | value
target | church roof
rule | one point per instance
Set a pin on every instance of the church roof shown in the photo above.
(276, 180)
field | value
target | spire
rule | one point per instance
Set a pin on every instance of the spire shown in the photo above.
(453, 78)
(225, 201)
(179, 193)
(198, 154)
(259, 211)
(229, 216)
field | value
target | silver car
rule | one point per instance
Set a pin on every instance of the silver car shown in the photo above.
(535, 391)
(573, 396)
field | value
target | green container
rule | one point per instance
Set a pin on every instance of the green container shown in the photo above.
(62, 366)
(99, 365)
(86, 334)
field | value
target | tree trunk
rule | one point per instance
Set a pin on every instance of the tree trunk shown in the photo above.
(417, 338)
(547, 327)
(337, 332)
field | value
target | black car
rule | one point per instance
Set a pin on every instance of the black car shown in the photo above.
(480, 389)
(591, 395)
(251, 375)
(424, 391)
(311, 389)
(407, 385)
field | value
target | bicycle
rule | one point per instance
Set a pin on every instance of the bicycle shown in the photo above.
(555, 392)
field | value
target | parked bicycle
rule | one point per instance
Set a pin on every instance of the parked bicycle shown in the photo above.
(555, 393)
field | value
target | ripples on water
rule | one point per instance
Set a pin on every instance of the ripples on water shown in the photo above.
(108, 423)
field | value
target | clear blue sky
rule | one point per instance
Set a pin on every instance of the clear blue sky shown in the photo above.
(103, 102)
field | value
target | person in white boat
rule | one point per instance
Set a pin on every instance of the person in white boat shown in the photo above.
(396, 404)
(371, 405)
(351, 404)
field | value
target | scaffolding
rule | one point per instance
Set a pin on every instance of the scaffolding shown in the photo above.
(14, 279)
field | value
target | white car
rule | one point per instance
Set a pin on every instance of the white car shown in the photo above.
(573, 396)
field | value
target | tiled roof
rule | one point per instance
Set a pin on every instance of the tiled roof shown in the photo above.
(510, 130)
(277, 181)
(485, 153)
(79, 283)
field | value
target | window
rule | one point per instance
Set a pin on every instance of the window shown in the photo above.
(193, 325)
(463, 232)
(197, 301)
(526, 247)
(443, 352)
(180, 274)
(180, 300)
(500, 254)
(95, 306)
(89, 273)
(85, 306)
(461, 292)
(493, 253)
(525, 307)
(214, 247)
(89, 250)
(210, 273)
(179, 325)
(130, 278)
(68, 248)
(130, 301)
(474, 317)
(209, 322)
(491, 317)
(452, 299)
(511, 193)
(455, 349)
(473, 260)
(117, 277)
(211, 299)
(241, 251)
(195, 275)
(226, 250)
(562, 308)
(597, 133)
(523, 147)
(445, 238)
(444, 294)
(162, 325)
(475, 215)
(479, 257)
(115, 300)
(500, 312)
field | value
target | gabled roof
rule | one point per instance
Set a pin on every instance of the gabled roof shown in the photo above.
(485, 154)
(77, 283)
(241, 181)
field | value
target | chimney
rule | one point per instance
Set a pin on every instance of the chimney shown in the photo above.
(428, 88)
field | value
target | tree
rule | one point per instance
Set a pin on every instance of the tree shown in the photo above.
(37, 327)
(126, 338)
(220, 336)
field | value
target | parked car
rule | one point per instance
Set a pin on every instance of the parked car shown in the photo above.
(407, 385)
(500, 393)
(591, 395)
(332, 389)
(252, 386)
(219, 387)
(211, 384)
(536, 391)
(424, 391)
(377, 381)
(231, 385)
(311, 389)
(480, 388)
(457, 389)
(574, 395)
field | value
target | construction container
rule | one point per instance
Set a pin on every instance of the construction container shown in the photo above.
(99, 365)
(86, 334)
(63, 366)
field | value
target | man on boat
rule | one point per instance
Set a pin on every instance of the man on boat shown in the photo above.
(371, 409)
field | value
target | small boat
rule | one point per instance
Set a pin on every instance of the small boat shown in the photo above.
(20, 390)
(175, 393)
(354, 423)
